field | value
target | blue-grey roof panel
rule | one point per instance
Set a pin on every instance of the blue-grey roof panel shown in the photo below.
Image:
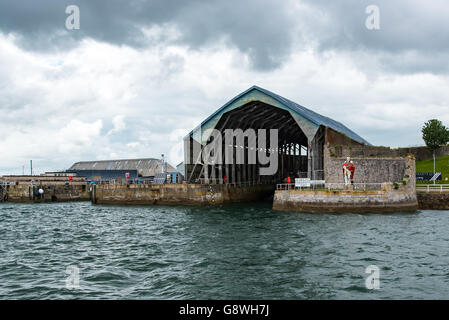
(315, 117)
(308, 114)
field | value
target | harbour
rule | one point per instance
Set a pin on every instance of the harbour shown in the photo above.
(226, 160)
(235, 251)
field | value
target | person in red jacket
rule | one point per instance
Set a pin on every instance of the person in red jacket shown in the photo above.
(351, 168)
(348, 171)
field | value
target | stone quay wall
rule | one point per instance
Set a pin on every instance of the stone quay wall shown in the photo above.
(344, 201)
(434, 200)
(179, 194)
(52, 193)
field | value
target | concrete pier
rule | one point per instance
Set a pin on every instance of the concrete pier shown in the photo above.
(179, 194)
(344, 201)
(388, 199)
(52, 193)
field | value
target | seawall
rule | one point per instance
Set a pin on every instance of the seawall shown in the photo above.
(434, 200)
(341, 201)
(52, 193)
(179, 194)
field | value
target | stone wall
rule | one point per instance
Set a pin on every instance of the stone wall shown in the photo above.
(433, 200)
(344, 201)
(341, 146)
(372, 164)
(443, 151)
(420, 153)
(367, 170)
(52, 193)
(182, 194)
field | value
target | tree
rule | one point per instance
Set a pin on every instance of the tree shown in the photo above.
(435, 135)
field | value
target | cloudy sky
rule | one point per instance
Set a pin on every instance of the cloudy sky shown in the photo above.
(139, 74)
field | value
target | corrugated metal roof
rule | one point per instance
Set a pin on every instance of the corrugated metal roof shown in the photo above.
(105, 174)
(308, 114)
(145, 167)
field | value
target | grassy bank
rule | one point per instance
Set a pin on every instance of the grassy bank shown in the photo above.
(441, 165)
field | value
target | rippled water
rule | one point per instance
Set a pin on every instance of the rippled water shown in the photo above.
(226, 252)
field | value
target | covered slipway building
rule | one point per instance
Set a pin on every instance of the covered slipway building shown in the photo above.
(302, 138)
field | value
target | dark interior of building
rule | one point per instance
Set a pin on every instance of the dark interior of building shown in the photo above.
(292, 148)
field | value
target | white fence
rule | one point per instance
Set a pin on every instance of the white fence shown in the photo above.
(433, 188)
(321, 185)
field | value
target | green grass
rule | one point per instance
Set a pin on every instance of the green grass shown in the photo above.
(441, 165)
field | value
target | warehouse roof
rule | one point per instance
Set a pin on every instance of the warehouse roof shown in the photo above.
(313, 118)
(145, 167)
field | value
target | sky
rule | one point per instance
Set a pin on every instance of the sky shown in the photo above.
(138, 75)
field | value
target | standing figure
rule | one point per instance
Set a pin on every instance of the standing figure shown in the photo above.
(348, 171)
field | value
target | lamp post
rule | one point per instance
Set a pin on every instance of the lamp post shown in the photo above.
(434, 181)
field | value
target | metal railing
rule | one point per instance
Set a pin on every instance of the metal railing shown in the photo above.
(121, 181)
(313, 185)
(319, 185)
(285, 186)
(238, 183)
(433, 188)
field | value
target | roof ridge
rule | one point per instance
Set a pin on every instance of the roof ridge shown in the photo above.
(118, 160)
(308, 114)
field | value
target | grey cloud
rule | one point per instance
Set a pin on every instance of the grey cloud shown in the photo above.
(404, 25)
(261, 29)
(415, 61)
(266, 30)
(413, 35)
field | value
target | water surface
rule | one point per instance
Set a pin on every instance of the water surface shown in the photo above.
(243, 251)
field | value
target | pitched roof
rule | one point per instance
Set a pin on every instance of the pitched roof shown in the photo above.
(309, 115)
(145, 167)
